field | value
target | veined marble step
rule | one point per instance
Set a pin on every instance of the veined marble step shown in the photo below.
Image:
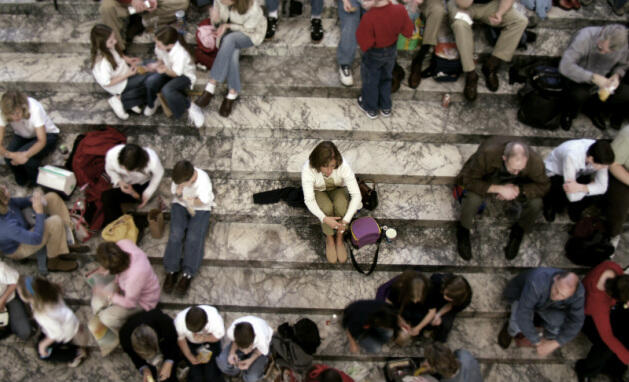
(319, 118)
(287, 76)
(24, 33)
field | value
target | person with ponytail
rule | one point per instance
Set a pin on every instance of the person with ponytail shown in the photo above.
(116, 73)
(63, 337)
(174, 75)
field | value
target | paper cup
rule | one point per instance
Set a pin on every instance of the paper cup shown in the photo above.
(390, 234)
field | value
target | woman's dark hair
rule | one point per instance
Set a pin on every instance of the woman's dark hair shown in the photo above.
(601, 152)
(441, 359)
(168, 35)
(242, 6)
(182, 172)
(111, 257)
(410, 286)
(133, 157)
(618, 288)
(457, 289)
(325, 152)
(196, 319)
(385, 317)
(12, 100)
(243, 335)
(98, 37)
(44, 291)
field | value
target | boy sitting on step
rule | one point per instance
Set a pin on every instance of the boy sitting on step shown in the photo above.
(189, 224)
(377, 36)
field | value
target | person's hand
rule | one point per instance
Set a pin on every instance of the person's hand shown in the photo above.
(19, 158)
(600, 81)
(138, 5)
(353, 347)
(403, 324)
(128, 189)
(134, 61)
(3, 308)
(614, 80)
(571, 187)
(194, 360)
(343, 226)
(144, 201)
(221, 30)
(347, 6)
(42, 349)
(132, 71)
(545, 347)
(153, 5)
(495, 19)
(508, 192)
(37, 202)
(436, 321)
(165, 371)
(333, 222)
(233, 359)
(245, 364)
(161, 68)
(99, 290)
(414, 332)
(151, 67)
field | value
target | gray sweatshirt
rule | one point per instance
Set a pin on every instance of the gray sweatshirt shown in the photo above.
(582, 58)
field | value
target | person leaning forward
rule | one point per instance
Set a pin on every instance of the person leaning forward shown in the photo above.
(512, 171)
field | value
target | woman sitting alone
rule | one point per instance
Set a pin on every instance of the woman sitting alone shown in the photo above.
(117, 73)
(331, 194)
(34, 135)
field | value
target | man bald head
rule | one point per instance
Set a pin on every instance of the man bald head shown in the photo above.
(515, 156)
(564, 286)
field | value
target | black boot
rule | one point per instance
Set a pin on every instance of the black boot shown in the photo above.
(464, 247)
(515, 239)
(398, 76)
(490, 70)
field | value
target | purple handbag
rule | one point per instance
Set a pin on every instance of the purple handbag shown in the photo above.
(365, 231)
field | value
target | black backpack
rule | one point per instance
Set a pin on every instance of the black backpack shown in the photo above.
(589, 243)
(540, 98)
(293, 345)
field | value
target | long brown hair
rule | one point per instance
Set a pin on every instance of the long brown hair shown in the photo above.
(323, 154)
(98, 37)
(12, 100)
(40, 291)
(409, 286)
(457, 289)
(242, 6)
(111, 257)
(168, 35)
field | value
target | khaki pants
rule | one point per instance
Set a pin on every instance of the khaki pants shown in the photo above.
(332, 203)
(112, 316)
(115, 15)
(54, 238)
(513, 25)
(435, 11)
(531, 210)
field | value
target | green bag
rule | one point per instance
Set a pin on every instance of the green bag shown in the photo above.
(404, 43)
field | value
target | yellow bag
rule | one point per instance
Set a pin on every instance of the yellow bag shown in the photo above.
(121, 228)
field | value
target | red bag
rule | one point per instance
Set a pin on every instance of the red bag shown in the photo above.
(203, 55)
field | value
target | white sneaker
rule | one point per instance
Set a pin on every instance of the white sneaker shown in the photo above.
(136, 110)
(196, 115)
(345, 74)
(149, 111)
(116, 105)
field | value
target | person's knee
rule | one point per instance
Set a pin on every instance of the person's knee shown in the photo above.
(535, 204)
(460, 27)
(437, 11)
(252, 376)
(327, 208)
(54, 223)
(153, 82)
(52, 197)
(23, 330)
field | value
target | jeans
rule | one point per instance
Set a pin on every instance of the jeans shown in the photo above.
(349, 23)
(316, 5)
(134, 94)
(376, 70)
(552, 322)
(227, 63)
(174, 90)
(187, 236)
(27, 172)
(254, 373)
(206, 371)
(18, 318)
(373, 340)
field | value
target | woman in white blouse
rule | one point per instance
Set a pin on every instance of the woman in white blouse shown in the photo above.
(34, 135)
(63, 337)
(331, 193)
(117, 73)
(242, 25)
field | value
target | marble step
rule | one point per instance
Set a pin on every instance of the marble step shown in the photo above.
(320, 118)
(596, 14)
(23, 33)
(286, 76)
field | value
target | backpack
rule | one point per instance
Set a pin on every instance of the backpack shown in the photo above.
(292, 346)
(204, 55)
(540, 98)
(445, 64)
(589, 243)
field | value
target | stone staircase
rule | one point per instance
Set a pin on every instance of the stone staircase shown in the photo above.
(268, 260)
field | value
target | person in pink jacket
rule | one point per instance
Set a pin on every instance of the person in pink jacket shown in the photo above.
(135, 287)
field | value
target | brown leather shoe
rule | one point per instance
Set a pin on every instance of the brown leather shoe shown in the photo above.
(58, 265)
(471, 83)
(226, 107)
(183, 285)
(169, 282)
(415, 78)
(490, 70)
(204, 99)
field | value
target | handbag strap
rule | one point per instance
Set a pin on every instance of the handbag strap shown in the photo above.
(374, 261)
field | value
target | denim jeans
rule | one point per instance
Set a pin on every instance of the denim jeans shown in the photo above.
(316, 5)
(376, 70)
(175, 90)
(27, 172)
(553, 320)
(227, 63)
(134, 94)
(348, 23)
(372, 342)
(253, 374)
(18, 318)
(187, 236)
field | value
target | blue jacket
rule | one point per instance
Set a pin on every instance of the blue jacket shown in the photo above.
(15, 231)
(532, 290)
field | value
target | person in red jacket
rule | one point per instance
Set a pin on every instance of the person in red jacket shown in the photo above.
(324, 373)
(605, 286)
(377, 36)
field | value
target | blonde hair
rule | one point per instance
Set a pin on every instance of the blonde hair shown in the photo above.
(13, 100)
(145, 342)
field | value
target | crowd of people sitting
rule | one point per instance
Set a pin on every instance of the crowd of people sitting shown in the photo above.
(548, 306)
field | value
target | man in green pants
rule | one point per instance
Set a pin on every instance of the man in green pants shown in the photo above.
(512, 171)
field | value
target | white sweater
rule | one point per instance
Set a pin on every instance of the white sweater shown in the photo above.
(153, 171)
(312, 180)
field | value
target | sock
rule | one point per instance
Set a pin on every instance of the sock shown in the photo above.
(273, 14)
(231, 95)
(210, 87)
(312, 17)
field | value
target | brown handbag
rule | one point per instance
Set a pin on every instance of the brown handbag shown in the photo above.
(156, 223)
